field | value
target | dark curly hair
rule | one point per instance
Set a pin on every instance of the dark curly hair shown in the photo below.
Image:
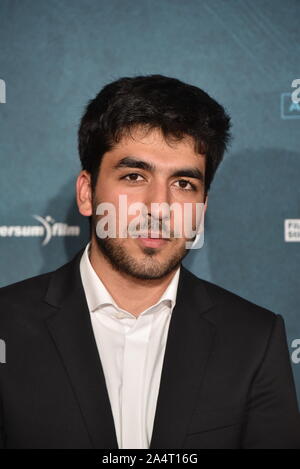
(153, 101)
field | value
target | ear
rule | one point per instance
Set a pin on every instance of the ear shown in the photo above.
(84, 193)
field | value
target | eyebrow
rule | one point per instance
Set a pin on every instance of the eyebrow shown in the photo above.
(132, 162)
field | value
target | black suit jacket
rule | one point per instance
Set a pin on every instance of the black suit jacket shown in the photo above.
(226, 379)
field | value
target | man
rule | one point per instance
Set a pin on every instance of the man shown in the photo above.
(122, 347)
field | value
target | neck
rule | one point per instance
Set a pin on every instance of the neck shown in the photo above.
(130, 293)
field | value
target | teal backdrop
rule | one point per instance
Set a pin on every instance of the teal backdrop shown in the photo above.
(55, 55)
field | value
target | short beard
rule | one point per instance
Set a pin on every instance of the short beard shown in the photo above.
(145, 269)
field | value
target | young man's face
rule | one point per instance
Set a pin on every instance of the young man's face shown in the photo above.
(157, 183)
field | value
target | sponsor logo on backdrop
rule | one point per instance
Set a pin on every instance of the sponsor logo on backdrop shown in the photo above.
(292, 230)
(2, 91)
(289, 109)
(47, 229)
(290, 102)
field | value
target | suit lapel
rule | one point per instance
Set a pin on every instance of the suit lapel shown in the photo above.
(73, 335)
(189, 343)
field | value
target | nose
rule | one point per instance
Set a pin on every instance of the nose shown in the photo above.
(158, 200)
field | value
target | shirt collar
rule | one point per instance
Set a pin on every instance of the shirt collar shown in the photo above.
(97, 294)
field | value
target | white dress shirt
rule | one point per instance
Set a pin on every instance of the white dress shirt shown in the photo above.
(131, 350)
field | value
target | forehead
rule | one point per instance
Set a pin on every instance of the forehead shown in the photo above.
(152, 145)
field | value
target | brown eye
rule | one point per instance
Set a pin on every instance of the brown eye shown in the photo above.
(192, 187)
(129, 175)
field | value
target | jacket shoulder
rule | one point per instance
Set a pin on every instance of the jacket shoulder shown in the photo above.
(231, 307)
(36, 284)
(27, 294)
(23, 298)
